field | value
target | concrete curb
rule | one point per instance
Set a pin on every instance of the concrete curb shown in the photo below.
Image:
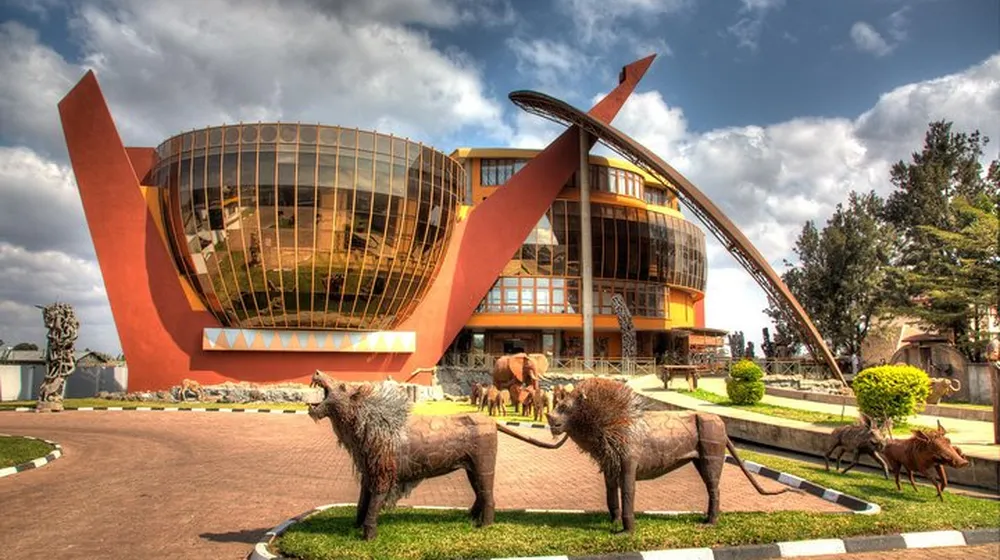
(36, 463)
(262, 549)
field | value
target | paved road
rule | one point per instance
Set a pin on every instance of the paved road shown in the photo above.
(984, 552)
(207, 485)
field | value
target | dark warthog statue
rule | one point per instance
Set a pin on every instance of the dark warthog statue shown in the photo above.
(608, 421)
(394, 451)
(865, 437)
(925, 452)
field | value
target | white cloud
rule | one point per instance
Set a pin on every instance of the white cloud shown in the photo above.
(867, 39)
(748, 28)
(770, 180)
(38, 278)
(41, 207)
(551, 65)
(596, 21)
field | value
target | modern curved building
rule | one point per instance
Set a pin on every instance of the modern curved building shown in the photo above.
(264, 252)
(292, 227)
(642, 248)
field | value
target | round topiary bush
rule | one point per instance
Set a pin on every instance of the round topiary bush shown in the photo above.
(744, 385)
(896, 391)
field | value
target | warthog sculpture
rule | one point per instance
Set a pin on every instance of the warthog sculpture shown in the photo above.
(607, 419)
(865, 437)
(925, 452)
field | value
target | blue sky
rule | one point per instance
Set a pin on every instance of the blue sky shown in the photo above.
(775, 108)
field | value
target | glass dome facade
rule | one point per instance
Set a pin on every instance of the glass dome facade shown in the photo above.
(296, 226)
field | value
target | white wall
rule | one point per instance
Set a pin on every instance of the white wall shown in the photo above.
(21, 382)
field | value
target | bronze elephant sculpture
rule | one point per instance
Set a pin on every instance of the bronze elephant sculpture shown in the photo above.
(519, 369)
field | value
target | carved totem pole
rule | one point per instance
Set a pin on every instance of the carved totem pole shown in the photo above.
(63, 328)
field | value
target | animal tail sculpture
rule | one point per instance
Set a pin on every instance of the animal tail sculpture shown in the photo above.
(750, 477)
(504, 429)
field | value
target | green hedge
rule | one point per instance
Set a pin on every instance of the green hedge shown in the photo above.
(744, 385)
(893, 391)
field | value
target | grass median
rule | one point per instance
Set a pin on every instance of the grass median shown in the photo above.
(810, 416)
(406, 534)
(15, 450)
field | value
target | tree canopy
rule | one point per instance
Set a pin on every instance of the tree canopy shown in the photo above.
(928, 251)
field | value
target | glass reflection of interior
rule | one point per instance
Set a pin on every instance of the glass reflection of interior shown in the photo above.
(636, 253)
(303, 226)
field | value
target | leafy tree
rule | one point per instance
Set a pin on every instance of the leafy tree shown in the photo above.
(25, 346)
(842, 276)
(944, 207)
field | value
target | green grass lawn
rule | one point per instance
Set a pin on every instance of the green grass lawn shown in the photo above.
(451, 407)
(15, 450)
(440, 535)
(810, 416)
(967, 405)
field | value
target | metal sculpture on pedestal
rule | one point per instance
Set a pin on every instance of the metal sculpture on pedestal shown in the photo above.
(63, 327)
(608, 420)
(393, 451)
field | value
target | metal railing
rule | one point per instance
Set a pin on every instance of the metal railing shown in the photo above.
(597, 366)
(707, 365)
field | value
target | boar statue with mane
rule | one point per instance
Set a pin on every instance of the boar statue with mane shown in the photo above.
(608, 421)
(394, 451)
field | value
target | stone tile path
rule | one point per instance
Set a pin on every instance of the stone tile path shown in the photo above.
(208, 485)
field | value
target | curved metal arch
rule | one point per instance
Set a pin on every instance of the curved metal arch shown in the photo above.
(710, 215)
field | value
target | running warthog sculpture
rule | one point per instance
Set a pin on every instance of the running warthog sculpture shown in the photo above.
(925, 452)
(865, 437)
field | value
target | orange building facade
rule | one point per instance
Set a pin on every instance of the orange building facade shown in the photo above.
(642, 248)
(263, 252)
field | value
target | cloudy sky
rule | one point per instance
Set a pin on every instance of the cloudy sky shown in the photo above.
(775, 108)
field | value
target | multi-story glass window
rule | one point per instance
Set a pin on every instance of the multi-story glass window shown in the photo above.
(526, 294)
(659, 197)
(494, 172)
(614, 181)
(635, 252)
(303, 226)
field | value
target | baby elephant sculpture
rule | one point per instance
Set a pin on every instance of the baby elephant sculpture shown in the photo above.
(519, 369)
(942, 387)
(606, 418)
(394, 451)
(865, 437)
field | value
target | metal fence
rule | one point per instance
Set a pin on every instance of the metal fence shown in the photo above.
(707, 365)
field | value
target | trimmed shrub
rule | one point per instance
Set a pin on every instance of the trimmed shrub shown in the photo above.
(744, 385)
(893, 391)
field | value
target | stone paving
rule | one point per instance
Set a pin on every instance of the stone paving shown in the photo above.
(208, 485)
